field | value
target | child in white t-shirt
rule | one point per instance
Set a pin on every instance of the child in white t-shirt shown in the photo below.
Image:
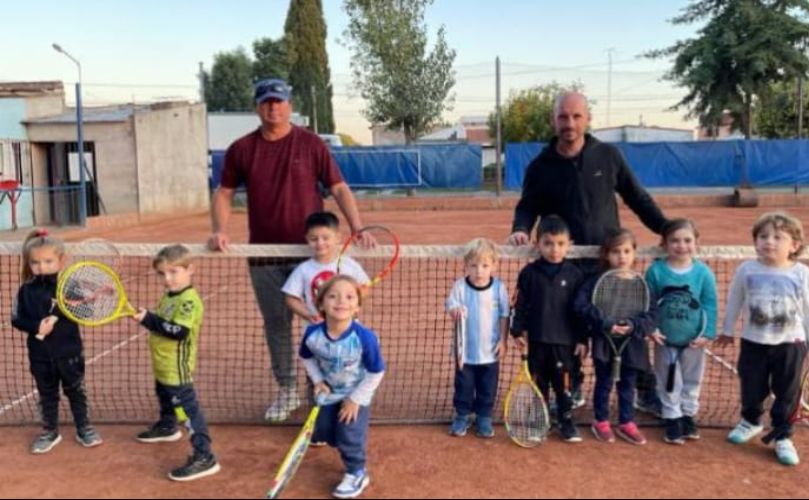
(323, 237)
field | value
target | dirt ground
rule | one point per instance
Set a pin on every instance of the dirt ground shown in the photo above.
(405, 462)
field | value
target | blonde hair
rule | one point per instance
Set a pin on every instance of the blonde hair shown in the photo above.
(173, 255)
(480, 248)
(327, 286)
(781, 221)
(36, 239)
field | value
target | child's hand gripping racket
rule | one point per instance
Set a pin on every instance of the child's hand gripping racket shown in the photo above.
(92, 294)
(620, 295)
(682, 322)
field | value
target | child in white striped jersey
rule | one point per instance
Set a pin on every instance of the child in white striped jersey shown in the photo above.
(481, 301)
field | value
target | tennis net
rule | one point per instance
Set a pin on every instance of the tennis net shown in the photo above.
(234, 378)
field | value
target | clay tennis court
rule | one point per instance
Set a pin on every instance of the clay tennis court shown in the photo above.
(405, 461)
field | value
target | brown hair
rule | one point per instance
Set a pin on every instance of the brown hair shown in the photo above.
(173, 255)
(38, 238)
(674, 225)
(613, 240)
(781, 221)
(327, 286)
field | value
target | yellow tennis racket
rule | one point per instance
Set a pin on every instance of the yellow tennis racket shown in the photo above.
(91, 294)
(526, 414)
(295, 455)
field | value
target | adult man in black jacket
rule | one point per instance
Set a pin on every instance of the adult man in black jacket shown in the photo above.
(576, 177)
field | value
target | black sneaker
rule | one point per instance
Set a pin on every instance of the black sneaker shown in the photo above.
(569, 432)
(674, 432)
(197, 467)
(690, 429)
(159, 435)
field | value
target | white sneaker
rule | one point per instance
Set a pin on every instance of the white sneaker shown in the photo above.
(786, 452)
(352, 485)
(744, 432)
(287, 402)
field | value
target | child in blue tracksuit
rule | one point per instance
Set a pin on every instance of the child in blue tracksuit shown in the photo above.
(344, 362)
(617, 253)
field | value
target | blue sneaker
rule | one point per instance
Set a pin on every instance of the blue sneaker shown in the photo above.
(352, 485)
(460, 425)
(786, 452)
(485, 428)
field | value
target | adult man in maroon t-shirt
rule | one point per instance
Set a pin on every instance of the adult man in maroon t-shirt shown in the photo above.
(280, 165)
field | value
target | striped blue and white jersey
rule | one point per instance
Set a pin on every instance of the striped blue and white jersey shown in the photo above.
(484, 308)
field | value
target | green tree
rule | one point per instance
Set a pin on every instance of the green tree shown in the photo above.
(229, 87)
(528, 113)
(776, 112)
(404, 86)
(305, 35)
(744, 48)
(271, 59)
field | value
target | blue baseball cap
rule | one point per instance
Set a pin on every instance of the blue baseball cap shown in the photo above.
(272, 88)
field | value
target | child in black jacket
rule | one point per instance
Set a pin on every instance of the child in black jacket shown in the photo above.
(544, 321)
(54, 342)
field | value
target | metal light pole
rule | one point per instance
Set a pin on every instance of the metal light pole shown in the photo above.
(80, 131)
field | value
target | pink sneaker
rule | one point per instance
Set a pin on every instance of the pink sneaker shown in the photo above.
(603, 431)
(629, 432)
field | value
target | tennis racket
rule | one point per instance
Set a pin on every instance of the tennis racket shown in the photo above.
(295, 455)
(682, 320)
(620, 295)
(97, 250)
(459, 344)
(526, 414)
(379, 264)
(91, 294)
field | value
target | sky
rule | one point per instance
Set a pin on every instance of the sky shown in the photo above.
(150, 50)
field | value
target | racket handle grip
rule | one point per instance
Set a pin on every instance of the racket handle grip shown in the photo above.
(616, 369)
(670, 379)
(40, 338)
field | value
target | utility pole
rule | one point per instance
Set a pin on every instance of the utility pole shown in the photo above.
(314, 109)
(610, 52)
(201, 76)
(499, 138)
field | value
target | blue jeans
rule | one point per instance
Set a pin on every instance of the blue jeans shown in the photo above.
(351, 440)
(185, 397)
(603, 388)
(476, 389)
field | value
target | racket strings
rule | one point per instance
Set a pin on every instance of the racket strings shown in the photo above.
(621, 297)
(527, 417)
(680, 318)
(89, 293)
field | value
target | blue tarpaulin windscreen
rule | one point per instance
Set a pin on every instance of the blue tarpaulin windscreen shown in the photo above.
(694, 164)
(454, 166)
